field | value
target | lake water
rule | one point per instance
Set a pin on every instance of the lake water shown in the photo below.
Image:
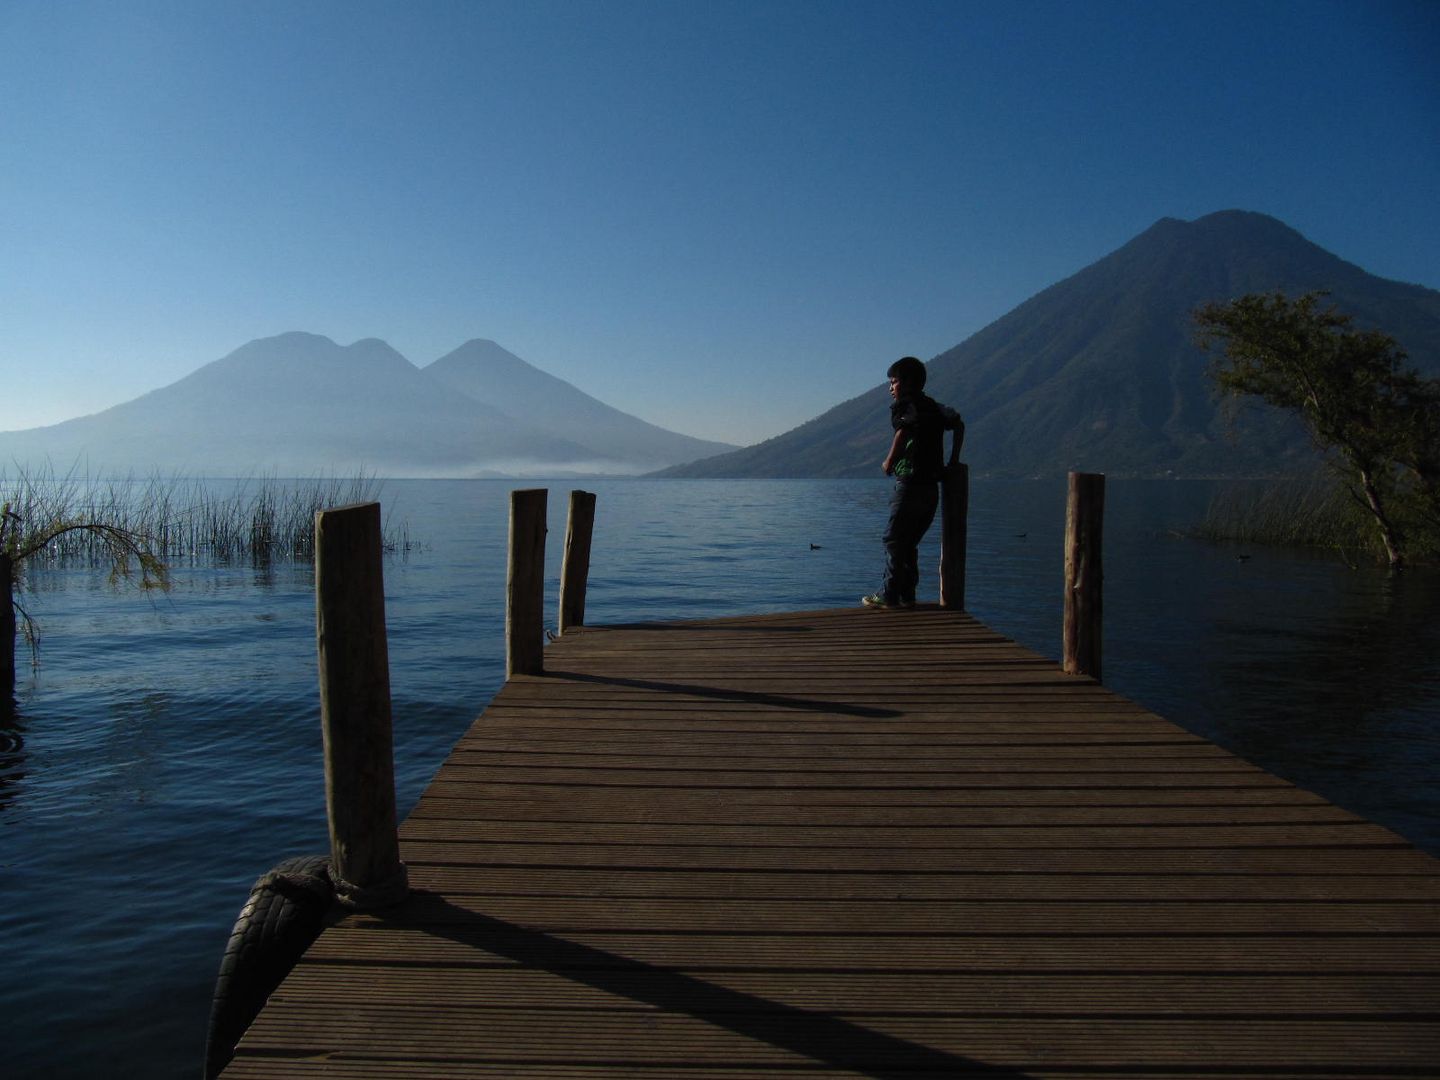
(166, 752)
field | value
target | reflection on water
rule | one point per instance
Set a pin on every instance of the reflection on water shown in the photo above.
(1334, 685)
(167, 750)
(12, 749)
(1325, 675)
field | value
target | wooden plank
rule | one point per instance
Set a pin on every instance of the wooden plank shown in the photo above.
(1310, 994)
(1120, 775)
(455, 880)
(570, 807)
(776, 1037)
(1376, 861)
(452, 783)
(901, 915)
(681, 753)
(919, 956)
(471, 1070)
(934, 837)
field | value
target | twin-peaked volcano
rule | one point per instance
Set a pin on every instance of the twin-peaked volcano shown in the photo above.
(299, 404)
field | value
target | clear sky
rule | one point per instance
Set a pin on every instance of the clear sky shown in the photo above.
(723, 216)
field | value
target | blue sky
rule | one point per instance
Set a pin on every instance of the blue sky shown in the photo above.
(723, 217)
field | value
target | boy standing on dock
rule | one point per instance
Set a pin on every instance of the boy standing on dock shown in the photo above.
(916, 460)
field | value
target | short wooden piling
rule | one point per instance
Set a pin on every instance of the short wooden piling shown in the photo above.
(954, 525)
(355, 707)
(575, 569)
(1084, 574)
(525, 585)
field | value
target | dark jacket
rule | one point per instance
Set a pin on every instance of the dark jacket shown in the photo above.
(924, 421)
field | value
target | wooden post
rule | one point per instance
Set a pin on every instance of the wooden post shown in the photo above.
(355, 708)
(525, 585)
(1084, 574)
(7, 623)
(575, 569)
(954, 524)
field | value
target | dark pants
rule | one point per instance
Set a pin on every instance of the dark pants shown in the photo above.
(912, 509)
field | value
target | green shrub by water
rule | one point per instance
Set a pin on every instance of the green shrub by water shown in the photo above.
(1314, 511)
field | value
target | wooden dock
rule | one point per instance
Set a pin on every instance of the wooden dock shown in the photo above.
(862, 843)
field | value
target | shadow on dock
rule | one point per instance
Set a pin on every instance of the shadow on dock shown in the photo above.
(748, 697)
(824, 1038)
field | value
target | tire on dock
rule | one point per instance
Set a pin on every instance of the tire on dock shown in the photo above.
(284, 914)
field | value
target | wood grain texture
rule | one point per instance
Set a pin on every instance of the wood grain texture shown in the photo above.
(862, 843)
(355, 721)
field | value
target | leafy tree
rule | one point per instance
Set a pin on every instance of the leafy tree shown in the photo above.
(1420, 443)
(1376, 417)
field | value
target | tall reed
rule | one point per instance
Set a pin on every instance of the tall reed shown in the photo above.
(1309, 511)
(180, 519)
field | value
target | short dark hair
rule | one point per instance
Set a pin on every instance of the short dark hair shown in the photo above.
(909, 370)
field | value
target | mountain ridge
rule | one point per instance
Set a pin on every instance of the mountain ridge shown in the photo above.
(486, 371)
(1099, 371)
(299, 403)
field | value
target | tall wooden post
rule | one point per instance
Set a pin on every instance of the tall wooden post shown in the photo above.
(575, 569)
(1084, 574)
(355, 708)
(954, 524)
(525, 585)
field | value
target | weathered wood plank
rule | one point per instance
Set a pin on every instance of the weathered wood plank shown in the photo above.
(569, 807)
(920, 956)
(478, 1070)
(1311, 994)
(1118, 774)
(451, 783)
(586, 881)
(777, 1037)
(932, 837)
(898, 915)
(1376, 861)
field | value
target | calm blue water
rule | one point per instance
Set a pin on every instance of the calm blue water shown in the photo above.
(167, 750)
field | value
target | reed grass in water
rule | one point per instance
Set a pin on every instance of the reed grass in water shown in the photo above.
(1308, 512)
(182, 520)
(1314, 511)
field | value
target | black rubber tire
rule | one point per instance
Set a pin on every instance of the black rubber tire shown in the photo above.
(286, 911)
